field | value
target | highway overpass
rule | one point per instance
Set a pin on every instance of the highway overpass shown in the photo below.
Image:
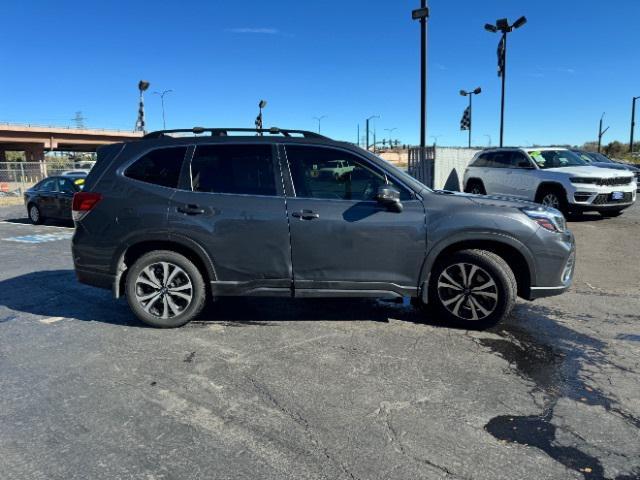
(35, 140)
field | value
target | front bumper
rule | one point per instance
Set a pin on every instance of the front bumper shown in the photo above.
(555, 264)
(601, 198)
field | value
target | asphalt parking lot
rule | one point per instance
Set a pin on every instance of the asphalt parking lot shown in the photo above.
(276, 388)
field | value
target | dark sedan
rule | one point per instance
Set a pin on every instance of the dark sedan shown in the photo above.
(52, 198)
(602, 161)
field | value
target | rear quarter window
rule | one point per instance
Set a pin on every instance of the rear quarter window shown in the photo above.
(481, 161)
(158, 167)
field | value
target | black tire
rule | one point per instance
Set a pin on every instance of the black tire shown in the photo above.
(35, 215)
(545, 195)
(483, 268)
(187, 280)
(476, 187)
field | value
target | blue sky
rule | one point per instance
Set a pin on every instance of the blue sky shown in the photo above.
(346, 59)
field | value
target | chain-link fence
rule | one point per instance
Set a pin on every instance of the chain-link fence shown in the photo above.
(16, 177)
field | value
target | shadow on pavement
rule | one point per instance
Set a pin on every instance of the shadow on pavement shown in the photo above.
(47, 222)
(57, 293)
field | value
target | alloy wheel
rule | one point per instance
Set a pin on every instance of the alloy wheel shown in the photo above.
(34, 214)
(551, 200)
(467, 291)
(164, 290)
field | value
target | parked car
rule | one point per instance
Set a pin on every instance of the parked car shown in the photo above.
(52, 198)
(600, 160)
(75, 173)
(554, 177)
(169, 221)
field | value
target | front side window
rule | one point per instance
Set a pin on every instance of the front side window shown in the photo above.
(66, 186)
(519, 160)
(556, 158)
(235, 169)
(334, 174)
(49, 185)
(160, 167)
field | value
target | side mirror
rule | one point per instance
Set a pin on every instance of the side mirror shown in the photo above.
(389, 197)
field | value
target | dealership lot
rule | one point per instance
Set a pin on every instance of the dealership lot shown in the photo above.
(277, 388)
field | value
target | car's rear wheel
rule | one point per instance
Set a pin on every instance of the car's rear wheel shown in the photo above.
(475, 187)
(611, 213)
(35, 215)
(554, 197)
(165, 289)
(473, 289)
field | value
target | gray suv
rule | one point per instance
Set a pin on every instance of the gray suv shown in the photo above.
(182, 215)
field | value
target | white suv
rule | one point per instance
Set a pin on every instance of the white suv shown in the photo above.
(555, 177)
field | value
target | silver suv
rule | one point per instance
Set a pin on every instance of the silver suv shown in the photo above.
(171, 221)
(554, 177)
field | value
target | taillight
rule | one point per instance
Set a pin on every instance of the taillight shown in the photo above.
(83, 203)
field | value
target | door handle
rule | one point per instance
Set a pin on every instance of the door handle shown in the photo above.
(305, 215)
(191, 210)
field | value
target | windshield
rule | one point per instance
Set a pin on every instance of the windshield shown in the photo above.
(556, 158)
(598, 157)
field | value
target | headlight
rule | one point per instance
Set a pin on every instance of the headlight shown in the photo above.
(583, 180)
(548, 218)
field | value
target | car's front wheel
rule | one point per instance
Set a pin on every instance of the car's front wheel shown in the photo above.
(472, 289)
(35, 215)
(165, 289)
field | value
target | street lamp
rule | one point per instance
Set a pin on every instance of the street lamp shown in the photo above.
(502, 25)
(633, 122)
(367, 128)
(435, 139)
(162, 94)
(258, 122)
(489, 138)
(319, 119)
(422, 14)
(470, 94)
(390, 130)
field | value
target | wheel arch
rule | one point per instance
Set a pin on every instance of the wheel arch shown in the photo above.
(516, 254)
(549, 185)
(182, 245)
(472, 180)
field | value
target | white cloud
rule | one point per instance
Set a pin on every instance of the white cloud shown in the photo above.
(263, 31)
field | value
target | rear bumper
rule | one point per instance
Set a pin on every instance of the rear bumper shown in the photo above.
(95, 279)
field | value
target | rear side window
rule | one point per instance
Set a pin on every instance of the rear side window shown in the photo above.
(160, 167)
(501, 160)
(235, 169)
(481, 161)
(49, 185)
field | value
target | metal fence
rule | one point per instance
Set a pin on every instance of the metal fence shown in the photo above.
(420, 166)
(16, 177)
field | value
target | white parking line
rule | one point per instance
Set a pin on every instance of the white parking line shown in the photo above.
(34, 226)
(51, 320)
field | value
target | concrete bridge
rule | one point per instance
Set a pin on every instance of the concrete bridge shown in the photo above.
(35, 140)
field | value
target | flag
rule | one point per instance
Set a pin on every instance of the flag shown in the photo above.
(465, 122)
(501, 48)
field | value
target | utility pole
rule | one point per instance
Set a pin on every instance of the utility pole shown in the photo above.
(601, 132)
(319, 119)
(422, 14)
(366, 146)
(358, 136)
(470, 94)
(143, 85)
(633, 122)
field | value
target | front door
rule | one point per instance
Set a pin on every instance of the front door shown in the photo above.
(233, 206)
(341, 237)
(64, 199)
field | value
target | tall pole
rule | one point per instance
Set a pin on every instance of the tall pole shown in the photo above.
(470, 117)
(633, 123)
(366, 145)
(423, 80)
(504, 77)
(358, 137)
(319, 119)
(600, 134)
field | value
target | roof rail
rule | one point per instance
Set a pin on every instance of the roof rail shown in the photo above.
(223, 131)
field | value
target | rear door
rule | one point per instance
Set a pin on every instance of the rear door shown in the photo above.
(232, 204)
(341, 238)
(520, 180)
(499, 177)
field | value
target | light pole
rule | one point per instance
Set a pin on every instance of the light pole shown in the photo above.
(489, 137)
(366, 146)
(319, 119)
(143, 85)
(633, 122)
(470, 94)
(435, 139)
(390, 130)
(601, 132)
(422, 14)
(162, 94)
(258, 122)
(503, 26)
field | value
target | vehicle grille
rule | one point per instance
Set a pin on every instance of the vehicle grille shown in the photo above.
(615, 181)
(605, 198)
